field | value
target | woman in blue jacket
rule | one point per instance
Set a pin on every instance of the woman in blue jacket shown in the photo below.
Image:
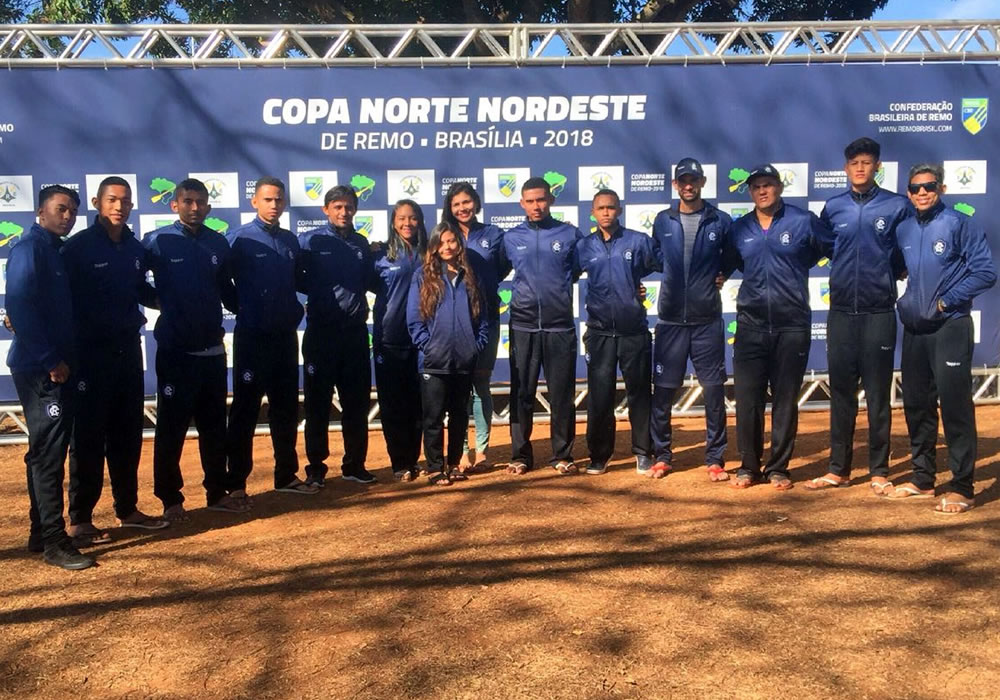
(449, 324)
(396, 378)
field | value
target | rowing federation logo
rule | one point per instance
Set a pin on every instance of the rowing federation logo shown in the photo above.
(364, 225)
(223, 189)
(646, 219)
(824, 293)
(313, 186)
(787, 177)
(411, 184)
(9, 192)
(507, 183)
(557, 182)
(163, 190)
(363, 186)
(975, 111)
(417, 185)
(593, 178)
(965, 175)
(939, 247)
(600, 181)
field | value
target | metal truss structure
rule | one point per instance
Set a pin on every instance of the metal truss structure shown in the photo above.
(813, 396)
(195, 46)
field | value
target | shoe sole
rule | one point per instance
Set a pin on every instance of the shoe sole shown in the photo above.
(72, 567)
(301, 492)
(359, 480)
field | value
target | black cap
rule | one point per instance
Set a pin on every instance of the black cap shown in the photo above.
(762, 170)
(688, 166)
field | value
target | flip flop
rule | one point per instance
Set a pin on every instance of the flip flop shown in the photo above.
(908, 493)
(517, 468)
(228, 504)
(717, 473)
(90, 536)
(744, 481)
(659, 470)
(780, 482)
(176, 514)
(821, 483)
(879, 488)
(963, 507)
(565, 468)
(300, 487)
(146, 523)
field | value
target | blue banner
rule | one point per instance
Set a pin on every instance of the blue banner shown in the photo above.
(411, 132)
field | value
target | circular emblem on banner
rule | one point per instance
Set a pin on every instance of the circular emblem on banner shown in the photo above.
(215, 259)
(881, 224)
(247, 376)
(786, 238)
(939, 247)
(310, 369)
(484, 244)
(81, 386)
(168, 390)
(54, 410)
(628, 254)
(659, 368)
(556, 246)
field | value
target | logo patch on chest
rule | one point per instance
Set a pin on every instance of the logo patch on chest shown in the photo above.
(939, 247)
(785, 238)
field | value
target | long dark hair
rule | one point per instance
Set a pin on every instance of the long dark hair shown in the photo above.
(432, 290)
(456, 189)
(397, 244)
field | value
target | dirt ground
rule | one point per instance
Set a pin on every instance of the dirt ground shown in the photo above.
(539, 586)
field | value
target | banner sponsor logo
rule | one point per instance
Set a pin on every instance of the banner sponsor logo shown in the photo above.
(150, 222)
(965, 176)
(795, 178)
(557, 182)
(218, 225)
(503, 185)
(223, 189)
(284, 221)
(963, 207)
(417, 185)
(640, 217)
(363, 186)
(601, 177)
(569, 215)
(373, 224)
(163, 190)
(9, 232)
(737, 209)
(307, 187)
(975, 111)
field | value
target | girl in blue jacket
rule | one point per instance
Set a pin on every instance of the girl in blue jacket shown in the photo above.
(449, 324)
(396, 378)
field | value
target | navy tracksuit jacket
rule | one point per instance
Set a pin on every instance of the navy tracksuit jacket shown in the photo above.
(861, 245)
(264, 266)
(335, 273)
(486, 242)
(542, 255)
(448, 342)
(691, 299)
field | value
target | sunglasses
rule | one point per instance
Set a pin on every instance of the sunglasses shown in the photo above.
(931, 186)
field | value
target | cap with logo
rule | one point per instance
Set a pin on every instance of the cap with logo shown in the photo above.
(688, 166)
(763, 170)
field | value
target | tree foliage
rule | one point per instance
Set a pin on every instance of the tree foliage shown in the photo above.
(431, 11)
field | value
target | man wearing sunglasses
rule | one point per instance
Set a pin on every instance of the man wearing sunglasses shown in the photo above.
(949, 263)
(861, 325)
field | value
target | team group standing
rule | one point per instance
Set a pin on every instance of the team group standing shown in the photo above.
(73, 305)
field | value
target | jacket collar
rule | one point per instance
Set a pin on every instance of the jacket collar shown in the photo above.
(931, 214)
(864, 197)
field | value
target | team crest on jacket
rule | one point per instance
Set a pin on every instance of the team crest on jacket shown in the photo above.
(938, 247)
(310, 369)
(659, 368)
(81, 386)
(711, 235)
(484, 244)
(881, 224)
(628, 255)
(138, 265)
(54, 410)
(786, 238)
(168, 390)
(215, 259)
(556, 246)
(359, 254)
(247, 376)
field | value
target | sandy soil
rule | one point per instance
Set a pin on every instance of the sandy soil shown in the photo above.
(540, 586)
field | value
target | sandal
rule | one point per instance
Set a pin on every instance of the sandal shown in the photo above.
(908, 492)
(228, 504)
(717, 473)
(659, 470)
(141, 521)
(297, 486)
(88, 535)
(780, 482)
(517, 468)
(565, 468)
(241, 497)
(744, 481)
(404, 475)
(962, 505)
(456, 474)
(822, 483)
(440, 479)
(880, 488)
